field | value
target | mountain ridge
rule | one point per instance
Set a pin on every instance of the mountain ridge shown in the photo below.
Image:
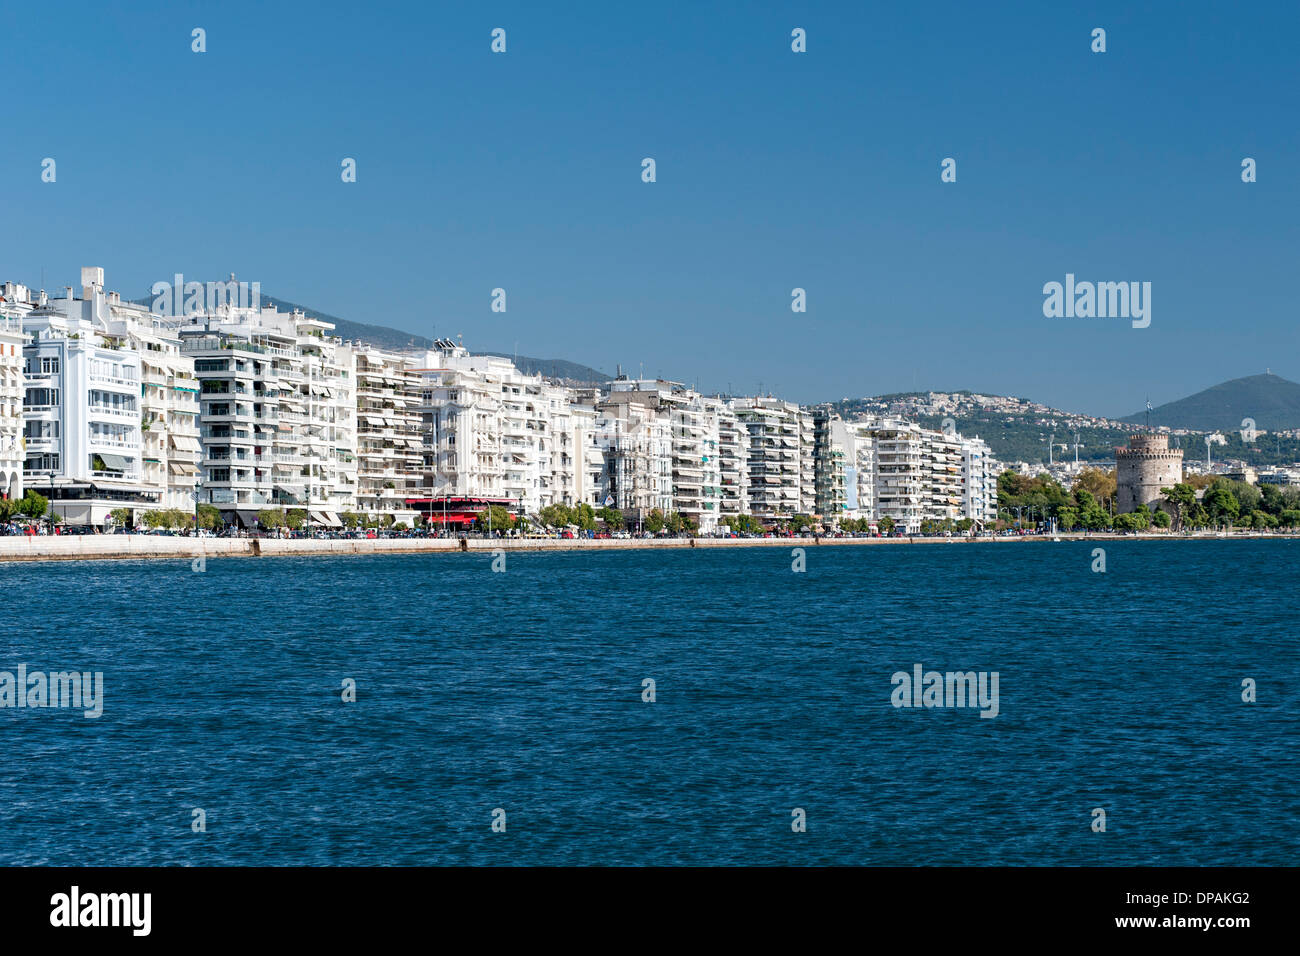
(1272, 402)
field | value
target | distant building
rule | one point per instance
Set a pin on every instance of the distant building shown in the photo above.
(1145, 467)
(1279, 477)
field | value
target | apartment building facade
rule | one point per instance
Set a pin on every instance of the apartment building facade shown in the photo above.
(980, 482)
(389, 439)
(12, 340)
(277, 413)
(781, 457)
(494, 433)
(82, 418)
(635, 443)
(733, 463)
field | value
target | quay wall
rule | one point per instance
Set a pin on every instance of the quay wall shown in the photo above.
(128, 546)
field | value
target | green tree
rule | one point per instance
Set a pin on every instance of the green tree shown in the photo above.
(1181, 498)
(800, 523)
(1249, 498)
(556, 516)
(495, 517)
(1221, 504)
(121, 517)
(1091, 515)
(584, 516)
(34, 505)
(295, 518)
(885, 524)
(744, 524)
(1143, 515)
(209, 516)
(270, 519)
(612, 517)
(654, 521)
(1263, 520)
(1161, 519)
(1100, 484)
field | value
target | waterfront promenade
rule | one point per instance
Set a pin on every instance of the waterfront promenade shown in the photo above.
(112, 547)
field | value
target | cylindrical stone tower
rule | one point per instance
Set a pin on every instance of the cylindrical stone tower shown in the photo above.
(1142, 469)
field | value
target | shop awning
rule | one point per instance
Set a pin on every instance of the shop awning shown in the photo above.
(181, 468)
(246, 518)
(185, 442)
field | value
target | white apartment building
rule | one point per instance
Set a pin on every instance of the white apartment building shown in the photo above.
(733, 462)
(12, 340)
(82, 417)
(834, 450)
(169, 405)
(900, 473)
(943, 462)
(635, 443)
(880, 467)
(493, 432)
(390, 452)
(979, 482)
(164, 414)
(277, 413)
(860, 471)
(782, 472)
(695, 449)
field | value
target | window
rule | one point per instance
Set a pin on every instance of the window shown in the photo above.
(41, 397)
(35, 431)
(49, 365)
(111, 402)
(40, 463)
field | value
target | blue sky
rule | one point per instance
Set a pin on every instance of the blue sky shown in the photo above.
(775, 170)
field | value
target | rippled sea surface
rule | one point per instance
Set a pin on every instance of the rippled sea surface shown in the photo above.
(522, 691)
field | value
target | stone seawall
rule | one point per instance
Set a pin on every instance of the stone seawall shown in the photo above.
(128, 546)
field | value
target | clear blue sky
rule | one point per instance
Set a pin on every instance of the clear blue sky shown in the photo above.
(775, 170)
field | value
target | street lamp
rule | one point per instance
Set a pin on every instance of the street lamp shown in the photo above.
(198, 483)
(50, 516)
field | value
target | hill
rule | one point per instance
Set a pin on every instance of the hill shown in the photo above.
(1272, 401)
(1018, 429)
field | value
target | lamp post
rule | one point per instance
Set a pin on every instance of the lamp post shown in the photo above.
(50, 516)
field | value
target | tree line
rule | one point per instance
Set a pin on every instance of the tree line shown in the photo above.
(1090, 504)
